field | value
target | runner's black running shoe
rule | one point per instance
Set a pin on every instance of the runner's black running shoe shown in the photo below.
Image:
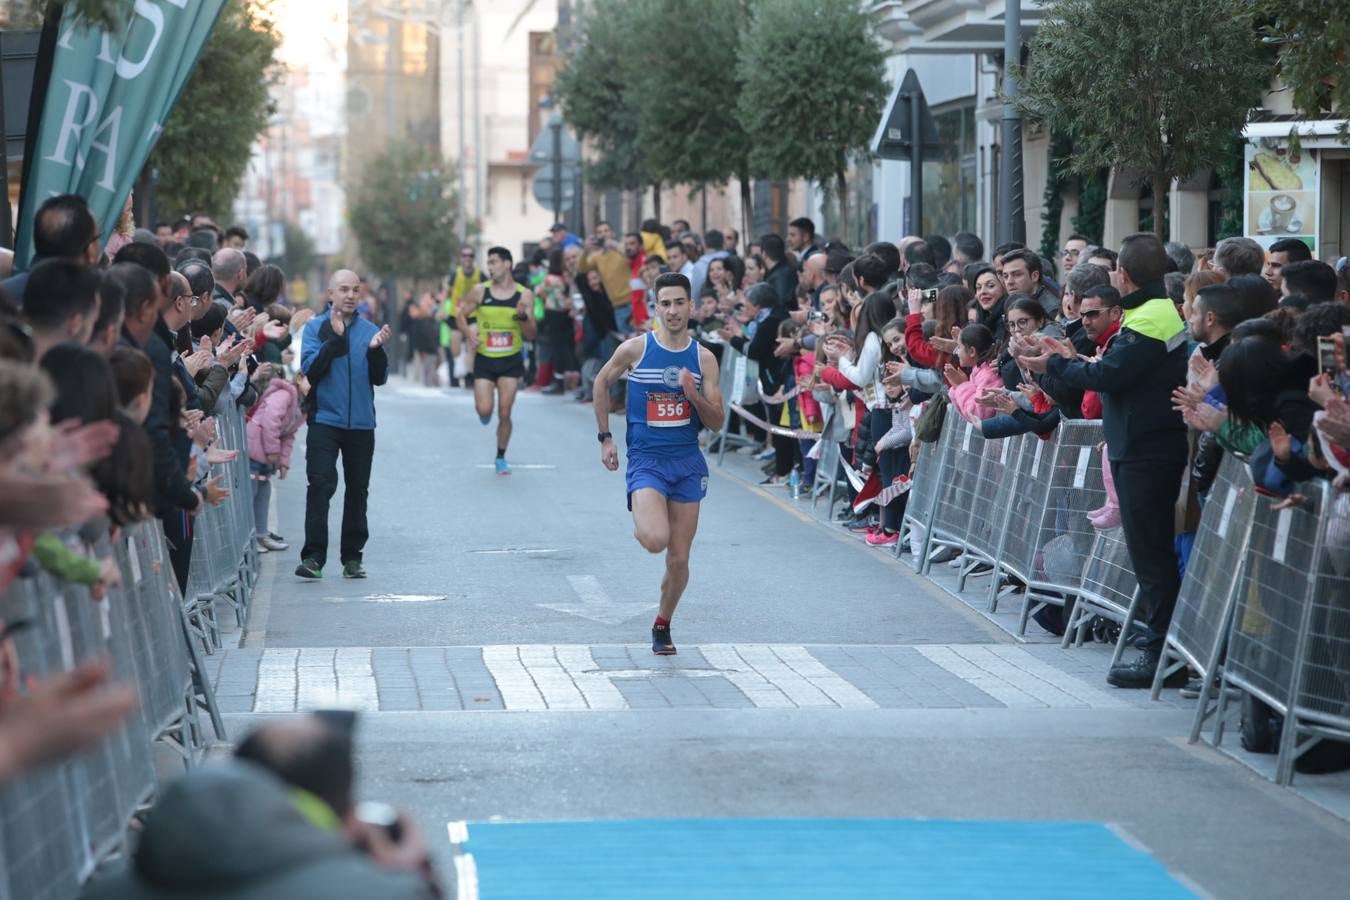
(353, 569)
(309, 568)
(662, 645)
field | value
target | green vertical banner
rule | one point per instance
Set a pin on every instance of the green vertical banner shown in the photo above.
(106, 102)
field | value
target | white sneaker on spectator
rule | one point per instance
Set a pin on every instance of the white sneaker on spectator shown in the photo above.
(259, 546)
(271, 543)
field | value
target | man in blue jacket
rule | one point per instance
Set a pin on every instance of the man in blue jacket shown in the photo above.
(344, 359)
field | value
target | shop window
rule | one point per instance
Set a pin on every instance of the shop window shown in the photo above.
(949, 175)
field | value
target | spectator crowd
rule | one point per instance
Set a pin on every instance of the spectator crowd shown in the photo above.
(116, 360)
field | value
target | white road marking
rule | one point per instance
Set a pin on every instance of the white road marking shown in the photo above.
(538, 677)
(596, 604)
(514, 683)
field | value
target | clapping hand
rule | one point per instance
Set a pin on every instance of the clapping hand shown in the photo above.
(75, 446)
(1281, 444)
(954, 375)
(380, 337)
(337, 323)
(999, 400)
(1205, 375)
(1204, 417)
(217, 456)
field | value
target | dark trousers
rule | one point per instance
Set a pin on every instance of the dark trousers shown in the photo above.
(178, 532)
(322, 446)
(1148, 494)
(890, 463)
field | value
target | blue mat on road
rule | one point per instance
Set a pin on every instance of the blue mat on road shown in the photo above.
(788, 859)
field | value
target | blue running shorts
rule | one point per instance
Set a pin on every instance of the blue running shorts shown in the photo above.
(683, 479)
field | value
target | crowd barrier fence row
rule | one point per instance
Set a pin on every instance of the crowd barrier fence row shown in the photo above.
(1264, 605)
(58, 823)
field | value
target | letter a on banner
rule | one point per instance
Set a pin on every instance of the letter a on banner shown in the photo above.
(106, 101)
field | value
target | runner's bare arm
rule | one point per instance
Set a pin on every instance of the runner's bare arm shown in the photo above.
(708, 399)
(627, 356)
(525, 307)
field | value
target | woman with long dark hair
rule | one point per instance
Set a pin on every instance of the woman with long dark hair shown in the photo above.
(264, 287)
(864, 366)
(990, 297)
(86, 391)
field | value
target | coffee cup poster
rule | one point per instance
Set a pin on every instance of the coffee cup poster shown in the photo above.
(1282, 194)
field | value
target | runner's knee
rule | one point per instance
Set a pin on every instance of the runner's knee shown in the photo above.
(652, 540)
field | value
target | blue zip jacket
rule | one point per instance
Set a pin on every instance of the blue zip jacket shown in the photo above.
(343, 372)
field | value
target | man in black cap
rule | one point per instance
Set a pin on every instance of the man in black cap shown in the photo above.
(1145, 436)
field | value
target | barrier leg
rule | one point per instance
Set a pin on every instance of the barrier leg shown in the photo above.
(1125, 629)
(203, 693)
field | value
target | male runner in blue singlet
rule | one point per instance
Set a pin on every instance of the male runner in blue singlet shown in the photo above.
(673, 391)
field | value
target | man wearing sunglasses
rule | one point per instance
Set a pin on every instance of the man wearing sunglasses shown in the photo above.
(465, 277)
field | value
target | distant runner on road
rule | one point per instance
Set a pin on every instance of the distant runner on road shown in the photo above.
(496, 319)
(673, 391)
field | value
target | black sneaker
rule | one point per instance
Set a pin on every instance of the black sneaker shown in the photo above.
(352, 569)
(310, 569)
(661, 642)
(1139, 672)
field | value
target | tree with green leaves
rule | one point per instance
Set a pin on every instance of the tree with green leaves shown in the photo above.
(688, 125)
(595, 93)
(97, 13)
(1313, 42)
(299, 258)
(1154, 86)
(204, 150)
(402, 212)
(814, 77)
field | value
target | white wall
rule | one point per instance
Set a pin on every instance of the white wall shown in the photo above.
(500, 57)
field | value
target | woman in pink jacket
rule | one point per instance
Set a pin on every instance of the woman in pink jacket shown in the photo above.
(975, 350)
(271, 434)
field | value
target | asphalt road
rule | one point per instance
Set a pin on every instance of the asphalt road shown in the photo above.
(817, 677)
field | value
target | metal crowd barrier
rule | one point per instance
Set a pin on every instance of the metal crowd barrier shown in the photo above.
(61, 821)
(1264, 607)
(224, 558)
(735, 374)
(1214, 576)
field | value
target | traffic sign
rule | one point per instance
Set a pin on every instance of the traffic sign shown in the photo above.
(543, 189)
(569, 150)
(895, 138)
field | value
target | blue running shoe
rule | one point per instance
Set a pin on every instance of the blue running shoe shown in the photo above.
(662, 645)
(503, 467)
(485, 419)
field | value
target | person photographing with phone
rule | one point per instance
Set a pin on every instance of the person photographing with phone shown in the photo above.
(344, 360)
(279, 821)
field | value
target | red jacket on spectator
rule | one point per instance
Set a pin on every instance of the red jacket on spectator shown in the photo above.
(921, 351)
(802, 366)
(1092, 404)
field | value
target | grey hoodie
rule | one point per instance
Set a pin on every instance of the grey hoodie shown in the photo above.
(233, 831)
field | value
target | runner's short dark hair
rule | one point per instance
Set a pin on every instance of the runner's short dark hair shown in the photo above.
(501, 253)
(673, 279)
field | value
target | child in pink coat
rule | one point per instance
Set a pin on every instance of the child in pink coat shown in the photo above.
(271, 434)
(975, 349)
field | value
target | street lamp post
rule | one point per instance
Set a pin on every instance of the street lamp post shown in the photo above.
(1012, 220)
(555, 124)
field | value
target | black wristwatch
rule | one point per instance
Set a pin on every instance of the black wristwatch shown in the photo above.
(604, 436)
